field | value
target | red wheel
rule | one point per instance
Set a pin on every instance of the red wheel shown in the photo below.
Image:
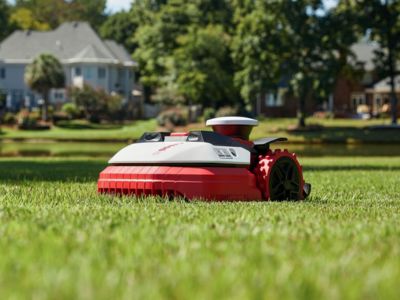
(280, 176)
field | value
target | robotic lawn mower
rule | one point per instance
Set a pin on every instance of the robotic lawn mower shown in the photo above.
(222, 164)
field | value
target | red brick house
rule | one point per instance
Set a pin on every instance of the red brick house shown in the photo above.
(346, 97)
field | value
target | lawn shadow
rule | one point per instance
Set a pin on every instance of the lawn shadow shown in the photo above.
(338, 134)
(350, 168)
(36, 170)
(88, 170)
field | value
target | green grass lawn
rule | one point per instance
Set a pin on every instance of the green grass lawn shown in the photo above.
(334, 131)
(103, 133)
(60, 240)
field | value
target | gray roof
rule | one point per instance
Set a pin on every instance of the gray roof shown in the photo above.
(71, 42)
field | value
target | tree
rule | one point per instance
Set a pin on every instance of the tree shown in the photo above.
(55, 12)
(177, 50)
(24, 19)
(44, 74)
(92, 11)
(203, 67)
(157, 39)
(317, 53)
(6, 26)
(257, 47)
(313, 60)
(121, 27)
(380, 19)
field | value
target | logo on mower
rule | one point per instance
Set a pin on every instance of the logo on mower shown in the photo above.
(165, 148)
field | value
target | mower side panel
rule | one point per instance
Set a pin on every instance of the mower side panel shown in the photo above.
(208, 183)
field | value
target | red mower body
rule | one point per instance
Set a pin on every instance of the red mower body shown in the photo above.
(206, 166)
(208, 183)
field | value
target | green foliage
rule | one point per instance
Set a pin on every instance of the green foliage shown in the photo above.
(71, 109)
(230, 52)
(9, 118)
(28, 120)
(46, 14)
(24, 19)
(183, 48)
(177, 116)
(6, 25)
(121, 27)
(201, 63)
(227, 111)
(43, 74)
(258, 47)
(96, 104)
(209, 113)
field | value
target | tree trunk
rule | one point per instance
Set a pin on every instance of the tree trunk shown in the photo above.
(393, 99)
(301, 110)
(392, 75)
(392, 64)
(301, 114)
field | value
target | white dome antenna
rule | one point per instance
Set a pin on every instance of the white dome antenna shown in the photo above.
(239, 127)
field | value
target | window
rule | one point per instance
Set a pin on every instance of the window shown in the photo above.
(358, 99)
(58, 95)
(2, 73)
(274, 99)
(88, 72)
(78, 71)
(101, 73)
(130, 74)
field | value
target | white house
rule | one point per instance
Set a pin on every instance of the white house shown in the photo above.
(85, 56)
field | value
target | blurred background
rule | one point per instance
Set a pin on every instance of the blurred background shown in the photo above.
(74, 74)
(80, 79)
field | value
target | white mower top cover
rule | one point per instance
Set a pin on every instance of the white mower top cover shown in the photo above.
(180, 152)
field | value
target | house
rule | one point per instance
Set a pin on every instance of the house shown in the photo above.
(86, 58)
(347, 95)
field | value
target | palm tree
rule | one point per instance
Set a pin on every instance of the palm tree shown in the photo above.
(42, 75)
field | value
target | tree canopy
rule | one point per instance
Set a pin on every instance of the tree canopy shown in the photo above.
(44, 74)
(48, 14)
(223, 52)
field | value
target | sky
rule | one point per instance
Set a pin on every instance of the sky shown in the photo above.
(118, 5)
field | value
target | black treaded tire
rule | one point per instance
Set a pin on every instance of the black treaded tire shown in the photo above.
(279, 176)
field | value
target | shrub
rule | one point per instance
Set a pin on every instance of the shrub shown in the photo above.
(173, 117)
(28, 120)
(60, 116)
(209, 113)
(227, 111)
(71, 110)
(96, 104)
(9, 118)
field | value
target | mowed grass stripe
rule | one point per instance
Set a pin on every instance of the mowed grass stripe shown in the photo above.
(59, 239)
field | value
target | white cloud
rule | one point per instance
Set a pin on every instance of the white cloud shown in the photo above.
(117, 5)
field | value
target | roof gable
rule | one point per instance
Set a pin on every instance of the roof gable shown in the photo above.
(70, 42)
